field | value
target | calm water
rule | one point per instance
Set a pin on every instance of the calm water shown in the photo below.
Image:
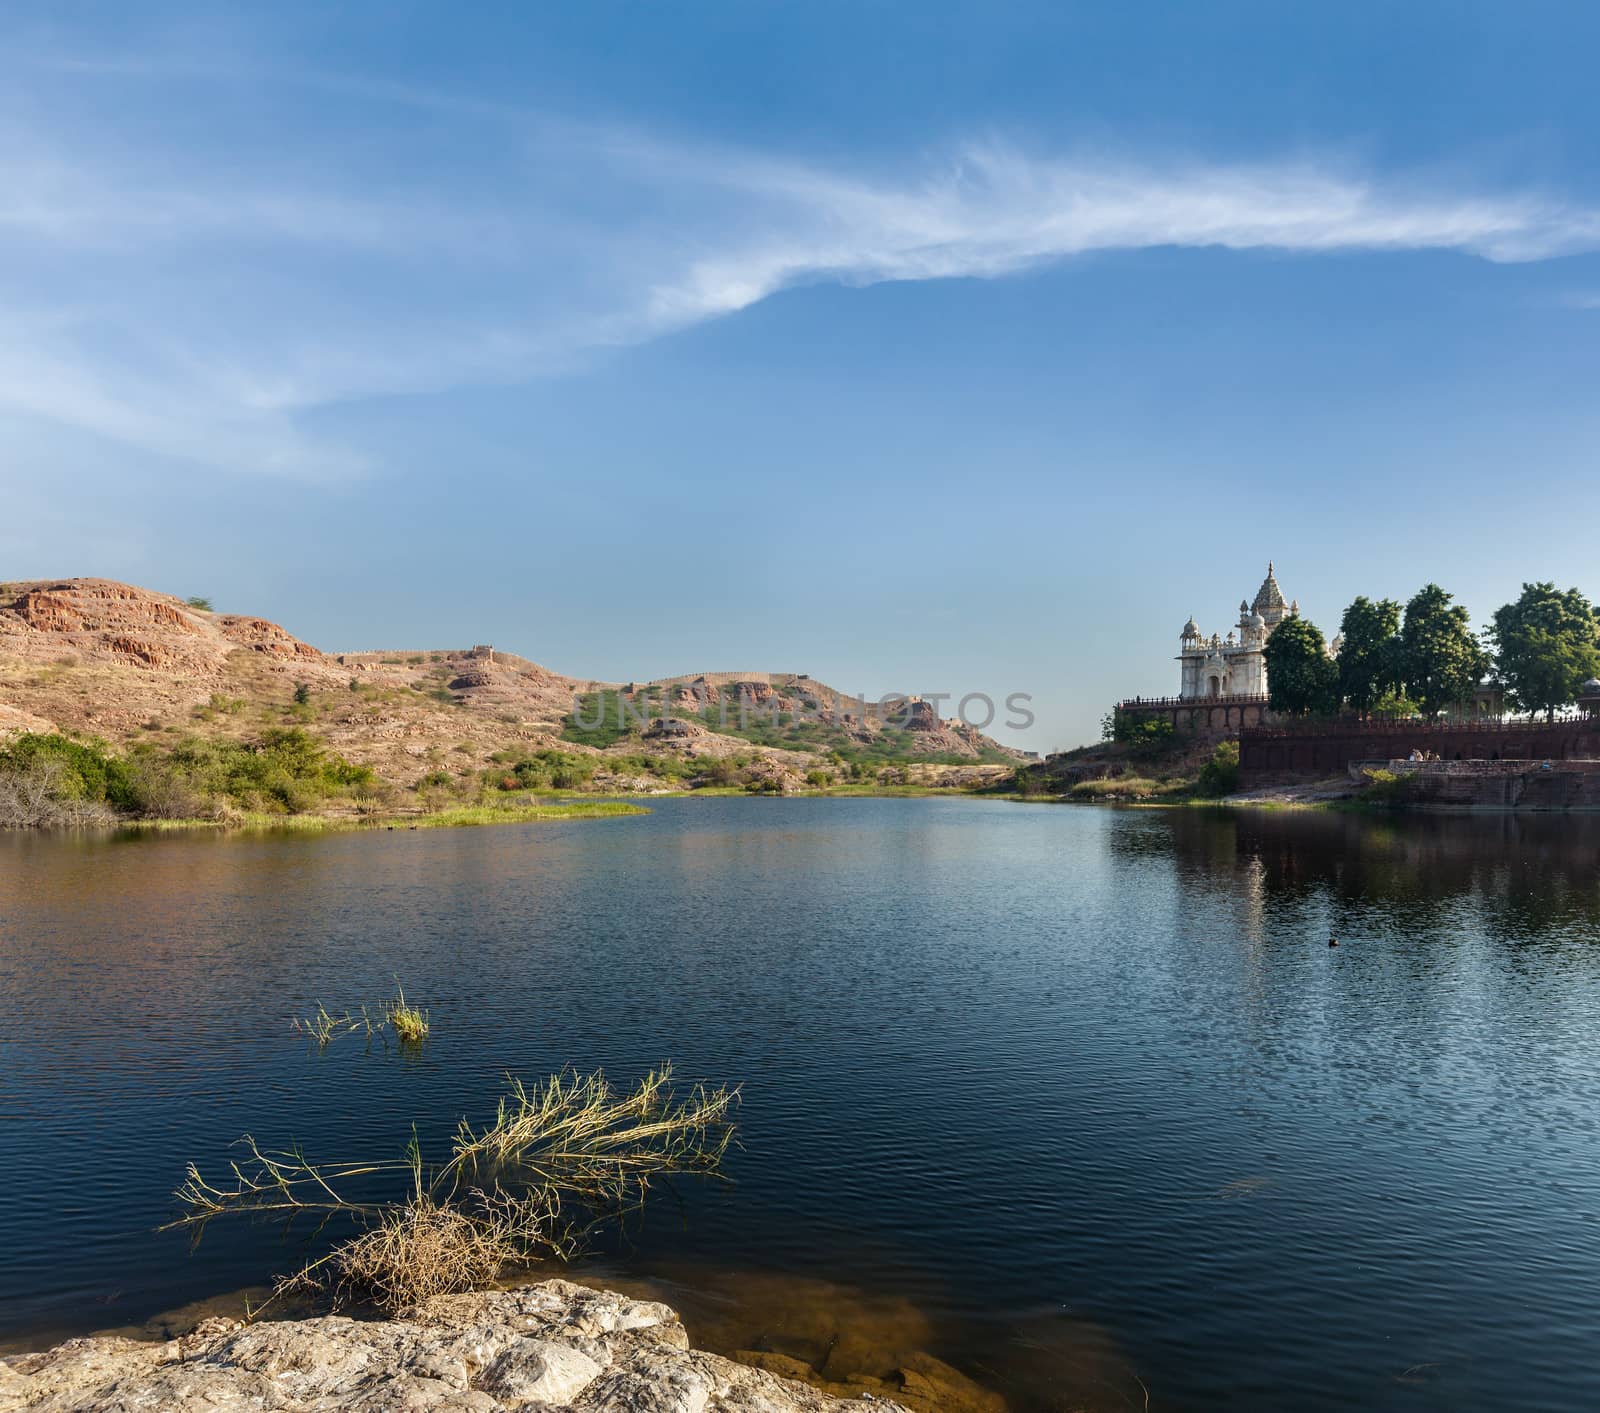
(1076, 1098)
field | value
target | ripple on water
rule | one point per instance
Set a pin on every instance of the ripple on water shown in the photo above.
(1079, 1102)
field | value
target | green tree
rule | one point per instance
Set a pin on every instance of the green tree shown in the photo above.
(1369, 658)
(1220, 774)
(1395, 702)
(1302, 679)
(1144, 736)
(1441, 661)
(302, 693)
(81, 771)
(1547, 644)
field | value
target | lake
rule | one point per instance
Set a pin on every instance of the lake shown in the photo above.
(1077, 1099)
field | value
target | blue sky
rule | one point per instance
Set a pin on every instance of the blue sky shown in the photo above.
(924, 348)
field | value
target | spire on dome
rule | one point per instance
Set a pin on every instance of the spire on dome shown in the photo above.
(1269, 601)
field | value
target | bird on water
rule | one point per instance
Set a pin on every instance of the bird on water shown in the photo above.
(1333, 941)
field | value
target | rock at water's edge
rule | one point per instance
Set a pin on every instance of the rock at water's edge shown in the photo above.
(553, 1347)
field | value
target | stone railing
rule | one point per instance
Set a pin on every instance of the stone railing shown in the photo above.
(1168, 703)
(1413, 725)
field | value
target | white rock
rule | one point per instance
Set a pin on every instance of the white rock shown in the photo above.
(547, 1348)
(540, 1370)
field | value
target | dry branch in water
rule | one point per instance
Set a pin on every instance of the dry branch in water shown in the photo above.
(558, 1158)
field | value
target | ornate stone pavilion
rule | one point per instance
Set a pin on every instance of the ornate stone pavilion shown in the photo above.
(1217, 668)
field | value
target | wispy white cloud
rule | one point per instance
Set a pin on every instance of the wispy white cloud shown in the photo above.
(991, 211)
(99, 205)
(197, 302)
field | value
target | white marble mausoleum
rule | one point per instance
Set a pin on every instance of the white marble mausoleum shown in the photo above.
(1235, 665)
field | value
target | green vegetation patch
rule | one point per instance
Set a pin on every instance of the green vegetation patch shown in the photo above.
(1220, 775)
(519, 814)
(49, 779)
(83, 771)
(284, 770)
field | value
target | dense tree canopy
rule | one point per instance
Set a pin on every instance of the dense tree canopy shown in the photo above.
(1547, 644)
(1369, 659)
(1301, 678)
(1441, 661)
(1143, 735)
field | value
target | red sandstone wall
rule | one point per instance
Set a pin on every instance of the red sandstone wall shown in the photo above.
(1315, 751)
(1202, 719)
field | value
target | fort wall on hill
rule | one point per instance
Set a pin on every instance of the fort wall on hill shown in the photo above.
(1202, 718)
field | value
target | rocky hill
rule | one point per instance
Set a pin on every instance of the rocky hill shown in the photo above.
(94, 657)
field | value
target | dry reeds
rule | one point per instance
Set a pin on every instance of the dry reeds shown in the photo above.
(409, 1025)
(323, 1025)
(558, 1158)
(422, 1249)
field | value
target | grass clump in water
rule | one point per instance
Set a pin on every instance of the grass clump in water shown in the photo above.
(557, 1160)
(410, 1024)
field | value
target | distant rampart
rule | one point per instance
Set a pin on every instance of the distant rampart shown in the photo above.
(1317, 749)
(1203, 718)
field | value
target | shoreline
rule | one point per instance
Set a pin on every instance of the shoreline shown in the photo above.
(554, 1343)
(562, 807)
(1308, 798)
(466, 816)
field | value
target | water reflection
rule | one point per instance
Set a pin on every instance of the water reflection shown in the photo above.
(1535, 872)
(1078, 1102)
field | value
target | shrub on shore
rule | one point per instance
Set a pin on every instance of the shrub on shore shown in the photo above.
(1220, 775)
(540, 770)
(1386, 787)
(49, 779)
(1121, 787)
(1144, 737)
